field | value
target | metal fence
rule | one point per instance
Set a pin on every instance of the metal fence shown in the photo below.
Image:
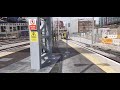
(98, 35)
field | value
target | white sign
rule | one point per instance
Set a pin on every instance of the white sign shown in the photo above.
(32, 24)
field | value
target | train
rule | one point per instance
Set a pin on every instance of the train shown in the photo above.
(13, 30)
(14, 19)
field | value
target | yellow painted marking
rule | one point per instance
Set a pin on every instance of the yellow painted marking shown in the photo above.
(95, 60)
(8, 52)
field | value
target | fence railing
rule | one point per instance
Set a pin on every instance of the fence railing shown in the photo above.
(97, 39)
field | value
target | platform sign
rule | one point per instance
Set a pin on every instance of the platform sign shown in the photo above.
(33, 36)
(32, 24)
(107, 40)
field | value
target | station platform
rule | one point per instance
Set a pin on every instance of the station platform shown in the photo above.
(71, 58)
(19, 62)
(81, 60)
(24, 66)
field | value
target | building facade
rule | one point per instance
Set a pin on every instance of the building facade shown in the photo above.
(14, 29)
(80, 25)
(85, 26)
(59, 25)
(13, 26)
(104, 21)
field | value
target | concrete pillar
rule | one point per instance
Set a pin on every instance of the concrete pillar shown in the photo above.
(35, 49)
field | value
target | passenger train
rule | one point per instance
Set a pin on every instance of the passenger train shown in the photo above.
(13, 27)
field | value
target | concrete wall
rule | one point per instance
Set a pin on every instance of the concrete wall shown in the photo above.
(73, 26)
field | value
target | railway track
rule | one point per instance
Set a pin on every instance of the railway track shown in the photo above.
(6, 42)
(15, 47)
(13, 50)
(108, 51)
(115, 56)
(10, 48)
(14, 54)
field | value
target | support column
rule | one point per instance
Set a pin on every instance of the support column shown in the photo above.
(35, 47)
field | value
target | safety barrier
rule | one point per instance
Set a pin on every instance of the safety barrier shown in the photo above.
(82, 40)
(107, 41)
(103, 40)
(116, 42)
(110, 41)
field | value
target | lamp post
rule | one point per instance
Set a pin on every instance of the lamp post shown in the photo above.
(58, 28)
(93, 25)
(67, 35)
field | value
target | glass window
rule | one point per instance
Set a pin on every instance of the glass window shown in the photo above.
(10, 27)
(18, 27)
(3, 28)
(68, 24)
(14, 28)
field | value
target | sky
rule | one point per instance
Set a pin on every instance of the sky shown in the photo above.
(66, 19)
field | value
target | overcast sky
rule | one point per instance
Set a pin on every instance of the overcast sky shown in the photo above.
(66, 19)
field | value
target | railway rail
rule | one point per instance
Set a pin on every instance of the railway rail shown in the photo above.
(11, 41)
(113, 55)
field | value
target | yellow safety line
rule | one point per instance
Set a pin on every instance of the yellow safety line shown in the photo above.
(7, 53)
(95, 60)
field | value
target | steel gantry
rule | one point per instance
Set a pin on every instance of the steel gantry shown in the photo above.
(46, 37)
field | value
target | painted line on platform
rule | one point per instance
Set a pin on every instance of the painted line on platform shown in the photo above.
(93, 59)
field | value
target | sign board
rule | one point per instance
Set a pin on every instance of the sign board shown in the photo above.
(33, 36)
(32, 24)
(107, 40)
